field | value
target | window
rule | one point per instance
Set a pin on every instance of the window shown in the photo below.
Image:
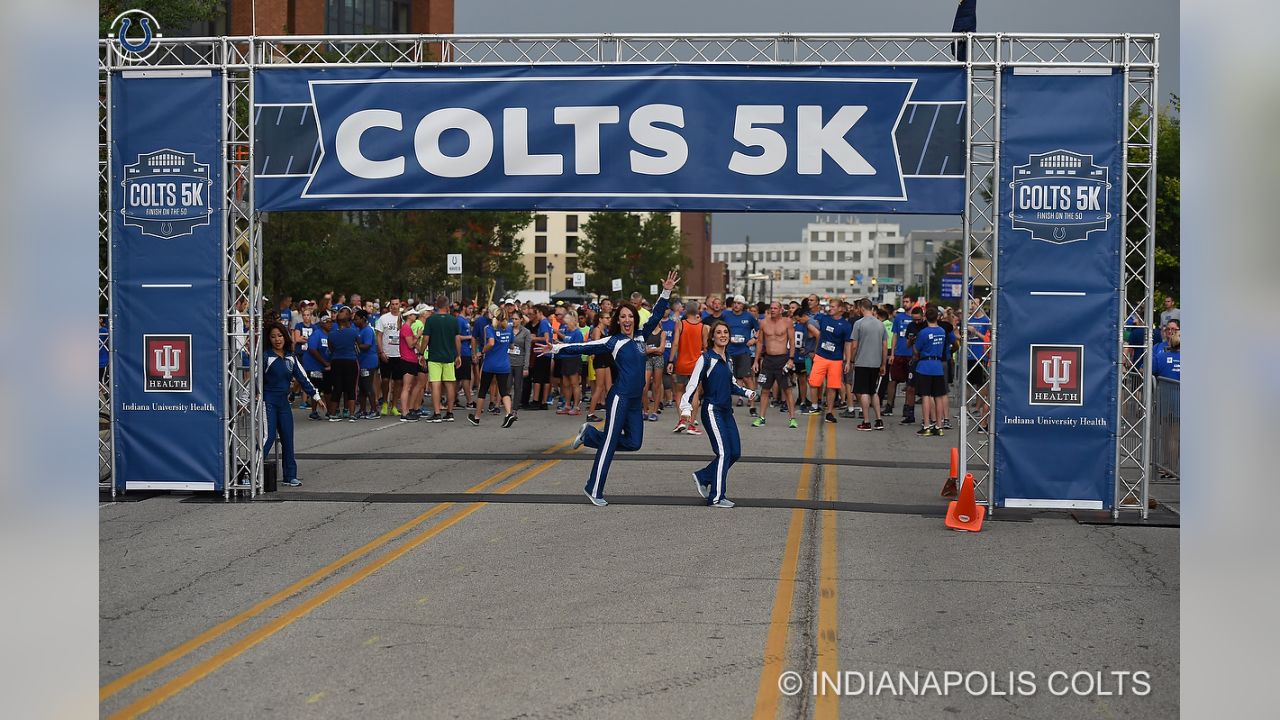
(540, 265)
(831, 236)
(540, 243)
(813, 236)
(791, 256)
(367, 17)
(539, 283)
(840, 275)
(775, 256)
(571, 244)
(888, 251)
(540, 223)
(571, 223)
(757, 257)
(791, 273)
(737, 257)
(571, 265)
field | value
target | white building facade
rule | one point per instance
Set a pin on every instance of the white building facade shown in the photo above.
(550, 247)
(833, 256)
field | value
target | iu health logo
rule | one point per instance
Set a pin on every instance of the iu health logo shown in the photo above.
(166, 194)
(1060, 197)
(168, 363)
(1057, 373)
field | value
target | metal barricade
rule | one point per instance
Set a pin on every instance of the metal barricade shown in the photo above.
(1166, 412)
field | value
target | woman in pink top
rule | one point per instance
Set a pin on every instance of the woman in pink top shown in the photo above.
(414, 382)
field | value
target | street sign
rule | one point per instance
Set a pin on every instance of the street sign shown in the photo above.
(455, 264)
(579, 279)
(617, 284)
(653, 289)
(888, 281)
(952, 287)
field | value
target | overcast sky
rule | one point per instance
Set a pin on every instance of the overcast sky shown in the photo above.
(754, 16)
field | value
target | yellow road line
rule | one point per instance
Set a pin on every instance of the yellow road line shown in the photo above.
(222, 657)
(827, 705)
(133, 676)
(775, 646)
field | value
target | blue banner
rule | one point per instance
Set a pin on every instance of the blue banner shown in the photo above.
(1058, 295)
(166, 281)
(622, 137)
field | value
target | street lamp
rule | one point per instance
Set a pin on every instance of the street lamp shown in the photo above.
(551, 269)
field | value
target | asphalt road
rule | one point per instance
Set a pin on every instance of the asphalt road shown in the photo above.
(381, 588)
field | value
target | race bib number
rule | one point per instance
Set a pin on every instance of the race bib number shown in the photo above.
(364, 372)
(762, 377)
(316, 374)
(324, 342)
(737, 339)
(395, 340)
(514, 350)
(304, 347)
(829, 346)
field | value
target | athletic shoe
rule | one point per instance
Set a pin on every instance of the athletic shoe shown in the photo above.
(577, 441)
(436, 418)
(693, 430)
(681, 426)
(314, 415)
(703, 490)
(351, 418)
(653, 417)
(886, 411)
(813, 410)
(598, 502)
(384, 409)
(346, 414)
(793, 424)
(879, 425)
(754, 413)
(508, 420)
(924, 432)
(908, 419)
(495, 410)
(739, 403)
(830, 418)
(593, 418)
(375, 415)
(758, 422)
(470, 406)
(724, 503)
(471, 418)
(291, 482)
(395, 411)
(946, 424)
(334, 418)
(304, 405)
(561, 411)
(864, 426)
(937, 431)
(574, 411)
(848, 413)
(448, 417)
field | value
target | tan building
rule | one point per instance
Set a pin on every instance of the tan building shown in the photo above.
(550, 246)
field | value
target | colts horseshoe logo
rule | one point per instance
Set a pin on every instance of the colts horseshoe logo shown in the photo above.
(136, 48)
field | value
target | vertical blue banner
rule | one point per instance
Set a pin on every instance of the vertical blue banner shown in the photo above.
(1058, 295)
(166, 281)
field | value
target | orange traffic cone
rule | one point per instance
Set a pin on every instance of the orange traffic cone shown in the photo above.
(949, 489)
(966, 514)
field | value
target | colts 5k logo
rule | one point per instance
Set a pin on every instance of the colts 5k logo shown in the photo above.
(168, 363)
(1056, 375)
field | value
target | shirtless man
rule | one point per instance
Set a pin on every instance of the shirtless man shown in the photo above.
(775, 361)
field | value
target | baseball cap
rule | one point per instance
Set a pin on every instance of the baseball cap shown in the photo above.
(410, 311)
(739, 298)
(424, 308)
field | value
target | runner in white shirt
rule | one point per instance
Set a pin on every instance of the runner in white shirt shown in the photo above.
(388, 340)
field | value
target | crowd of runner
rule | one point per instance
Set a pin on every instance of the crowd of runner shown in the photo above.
(415, 361)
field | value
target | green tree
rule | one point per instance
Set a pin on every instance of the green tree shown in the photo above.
(624, 245)
(173, 15)
(1168, 192)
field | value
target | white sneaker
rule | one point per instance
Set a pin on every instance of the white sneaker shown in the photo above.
(724, 503)
(598, 502)
(703, 490)
(577, 442)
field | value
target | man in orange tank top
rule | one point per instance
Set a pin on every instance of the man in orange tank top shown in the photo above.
(686, 348)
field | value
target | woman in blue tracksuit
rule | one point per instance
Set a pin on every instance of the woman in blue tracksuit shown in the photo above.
(714, 374)
(279, 368)
(624, 428)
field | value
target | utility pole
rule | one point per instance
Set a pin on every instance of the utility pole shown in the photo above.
(746, 266)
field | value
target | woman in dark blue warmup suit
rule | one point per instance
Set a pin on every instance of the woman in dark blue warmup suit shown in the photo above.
(279, 367)
(624, 427)
(713, 373)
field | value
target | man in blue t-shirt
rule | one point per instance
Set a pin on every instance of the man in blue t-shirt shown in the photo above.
(367, 345)
(899, 358)
(832, 357)
(742, 328)
(931, 348)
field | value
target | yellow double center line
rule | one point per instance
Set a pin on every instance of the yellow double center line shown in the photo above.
(194, 674)
(775, 653)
